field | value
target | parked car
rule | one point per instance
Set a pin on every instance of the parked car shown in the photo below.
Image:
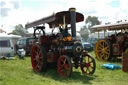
(87, 46)
(26, 43)
(92, 41)
(6, 47)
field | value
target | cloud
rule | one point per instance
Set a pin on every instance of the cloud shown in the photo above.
(4, 12)
(2, 3)
(16, 4)
(14, 12)
(7, 5)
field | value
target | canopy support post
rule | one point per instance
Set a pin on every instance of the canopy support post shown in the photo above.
(98, 35)
(104, 33)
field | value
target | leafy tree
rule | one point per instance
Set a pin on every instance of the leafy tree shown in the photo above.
(86, 29)
(15, 32)
(83, 28)
(84, 32)
(19, 30)
(91, 21)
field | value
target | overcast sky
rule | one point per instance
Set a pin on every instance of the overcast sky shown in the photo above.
(13, 12)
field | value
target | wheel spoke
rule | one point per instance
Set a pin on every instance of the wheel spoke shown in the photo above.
(106, 56)
(34, 52)
(106, 48)
(89, 66)
(106, 52)
(64, 66)
(38, 51)
(101, 45)
(38, 65)
(101, 54)
(102, 50)
(36, 58)
(64, 61)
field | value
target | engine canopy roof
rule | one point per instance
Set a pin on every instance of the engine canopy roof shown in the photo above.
(55, 19)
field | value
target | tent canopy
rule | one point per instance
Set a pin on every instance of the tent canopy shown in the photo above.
(116, 26)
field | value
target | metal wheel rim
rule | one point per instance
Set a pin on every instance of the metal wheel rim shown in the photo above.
(64, 66)
(102, 50)
(87, 65)
(36, 58)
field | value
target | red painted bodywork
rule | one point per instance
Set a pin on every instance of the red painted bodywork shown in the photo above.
(116, 49)
(47, 41)
(52, 57)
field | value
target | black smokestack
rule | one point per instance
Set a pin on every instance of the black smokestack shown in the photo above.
(73, 21)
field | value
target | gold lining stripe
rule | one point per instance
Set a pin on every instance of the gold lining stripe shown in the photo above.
(72, 9)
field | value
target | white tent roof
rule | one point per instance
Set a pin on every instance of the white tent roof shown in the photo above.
(9, 36)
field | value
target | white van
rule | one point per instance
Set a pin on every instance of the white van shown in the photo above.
(6, 47)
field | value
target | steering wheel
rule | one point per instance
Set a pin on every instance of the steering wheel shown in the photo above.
(39, 31)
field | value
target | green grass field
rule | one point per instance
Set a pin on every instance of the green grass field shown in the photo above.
(19, 72)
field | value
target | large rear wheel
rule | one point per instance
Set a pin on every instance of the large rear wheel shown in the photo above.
(64, 66)
(38, 58)
(103, 50)
(87, 64)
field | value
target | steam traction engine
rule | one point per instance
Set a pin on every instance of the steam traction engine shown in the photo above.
(62, 48)
(112, 46)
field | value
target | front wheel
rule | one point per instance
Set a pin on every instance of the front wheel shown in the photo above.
(87, 64)
(64, 66)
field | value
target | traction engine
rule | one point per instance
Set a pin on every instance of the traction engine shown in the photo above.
(112, 46)
(63, 48)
